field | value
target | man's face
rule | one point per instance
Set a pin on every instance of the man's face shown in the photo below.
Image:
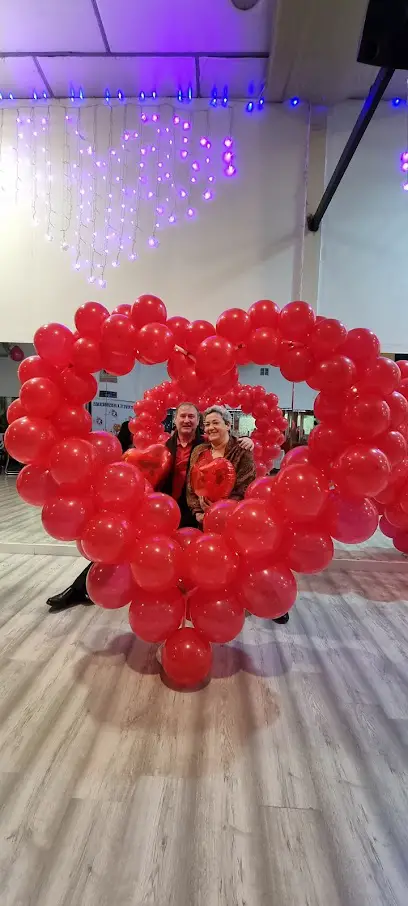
(186, 420)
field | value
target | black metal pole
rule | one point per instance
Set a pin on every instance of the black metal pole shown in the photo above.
(370, 105)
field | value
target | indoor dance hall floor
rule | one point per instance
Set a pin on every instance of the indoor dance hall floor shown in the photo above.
(283, 781)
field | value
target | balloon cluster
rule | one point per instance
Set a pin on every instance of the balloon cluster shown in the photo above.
(354, 469)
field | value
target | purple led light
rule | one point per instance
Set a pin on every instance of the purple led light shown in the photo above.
(207, 195)
(183, 193)
(186, 125)
(204, 142)
(230, 170)
(176, 120)
(227, 157)
(172, 218)
(190, 212)
(195, 166)
(153, 242)
(159, 210)
(183, 154)
(155, 117)
(228, 142)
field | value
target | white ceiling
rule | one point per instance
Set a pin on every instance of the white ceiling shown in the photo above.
(306, 48)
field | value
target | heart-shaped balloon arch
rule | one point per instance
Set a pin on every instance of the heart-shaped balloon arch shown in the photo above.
(354, 470)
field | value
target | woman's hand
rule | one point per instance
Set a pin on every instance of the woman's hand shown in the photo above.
(246, 443)
(200, 517)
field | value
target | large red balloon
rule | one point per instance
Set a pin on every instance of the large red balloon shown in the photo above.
(309, 550)
(120, 487)
(302, 491)
(214, 356)
(263, 346)
(362, 471)
(386, 528)
(146, 309)
(153, 461)
(210, 563)
(118, 363)
(217, 516)
(336, 374)
(213, 480)
(349, 520)
(217, 615)
(296, 362)
(154, 342)
(254, 530)
(264, 313)
(187, 657)
(29, 439)
(64, 517)
(196, 332)
(14, 411)
(328, 407)
(78, 388)
(178, 327)
(40, 397)
(35, 485)
(110, 586)
(89, 319)
(398, 409)
(35, 366)
(296, 321)
(268, 592)
(118, 335)
(156, 563)
(366, 417)
(106, 446)
(154, 616)
(106, 537)
(263, 489)
(86, 355)
(361, 345)
(234, 324)
(72, 461)
(324, 445)
(70, 419)
(382, 377)
(327, 335)
(394, 445)
(54, 343)
(159, 514)
(396, 515)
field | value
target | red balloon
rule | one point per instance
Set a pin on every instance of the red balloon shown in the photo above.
(394, 445)
(72, 461)
(106, 537)
(366, 417)
(329, 407)
(123, 309)
(64, 517)
(361, 345)
(309, 550)
(187, 657)
(120, 487)
(184, 536)
(14, 411)
(210, 563)
(29, 439)
(89, 319)
(156, 563)
(362, 471)
(153, 617)
(196, 332)
(159, 514)
(69, 420)
(396, 515)
(269, 592)
(254, 529)
(324, 445)
(86, 355)
(106, 446)
(146, 309)
(214, 356)
(327, 335)
(155, 342)
(234, 324)
(110, 586)
(35, 485)
(178, 326)
(217, 516)
(382, 377)
(302, 490)
(296, 321)
(296, 456)
(398, 408)
(154, 462)
(386, 528)
(263, 489)
(35, 366)
(118, 335)
(78, 388)
(264, 313)
(213, 480)
(400, 541)
(118, 363)
(40, 397)
(350, 521)
(54, 343)
(402, 366)
(296, 362)
(263, 346)
(337, 374)
(217, 615)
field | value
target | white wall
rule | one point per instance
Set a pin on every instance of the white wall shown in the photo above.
(9, 382)
(363, 271)
(245, 244)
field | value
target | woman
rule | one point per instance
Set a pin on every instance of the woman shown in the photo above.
(217, 427)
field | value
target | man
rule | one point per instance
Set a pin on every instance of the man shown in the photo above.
(185, 437)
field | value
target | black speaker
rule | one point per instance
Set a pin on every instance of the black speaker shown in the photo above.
(385, 34)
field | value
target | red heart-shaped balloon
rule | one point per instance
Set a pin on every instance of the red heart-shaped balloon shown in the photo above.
(154, 462)
(213, 480)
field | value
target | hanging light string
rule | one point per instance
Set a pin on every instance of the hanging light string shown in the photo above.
(67, 192)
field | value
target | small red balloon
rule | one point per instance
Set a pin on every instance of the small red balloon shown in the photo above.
(35, 485)
(64, 517)
(216, 615)
(210, 563)
(269, 592)
(110, 586)
(296, 362)
(155, 343)
(327, 335)
(234, 324)
(156, 563)
(29, 439)
(54, 343)
(89, 319)
(148, 309)
(117, 363)
(296, 321)
(40, 397)
(366, 417)
(153, 616)
(187, 657)
(337, 374)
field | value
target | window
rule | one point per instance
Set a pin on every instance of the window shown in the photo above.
(264, 372)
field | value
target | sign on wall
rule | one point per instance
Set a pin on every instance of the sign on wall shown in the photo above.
(109, 415)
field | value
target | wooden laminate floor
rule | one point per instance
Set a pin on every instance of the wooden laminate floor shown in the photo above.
(282, 783)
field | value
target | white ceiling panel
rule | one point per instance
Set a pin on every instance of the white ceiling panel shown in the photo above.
(20, 77)
(127, 74)
(49, 26)
(243, 77)
(186, 26)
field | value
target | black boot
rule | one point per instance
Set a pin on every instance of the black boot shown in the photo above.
(73, 595)
(283, 619)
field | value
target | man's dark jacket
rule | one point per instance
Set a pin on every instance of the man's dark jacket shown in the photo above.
(187, 518)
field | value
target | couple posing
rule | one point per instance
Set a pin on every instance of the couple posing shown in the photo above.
(187, 446)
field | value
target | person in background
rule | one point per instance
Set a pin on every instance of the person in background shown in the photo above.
(186, 436)
(217, 426)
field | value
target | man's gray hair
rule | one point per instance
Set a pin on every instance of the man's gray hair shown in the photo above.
(222, 411)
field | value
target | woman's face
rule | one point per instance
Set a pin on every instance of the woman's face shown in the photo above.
(216, 429)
